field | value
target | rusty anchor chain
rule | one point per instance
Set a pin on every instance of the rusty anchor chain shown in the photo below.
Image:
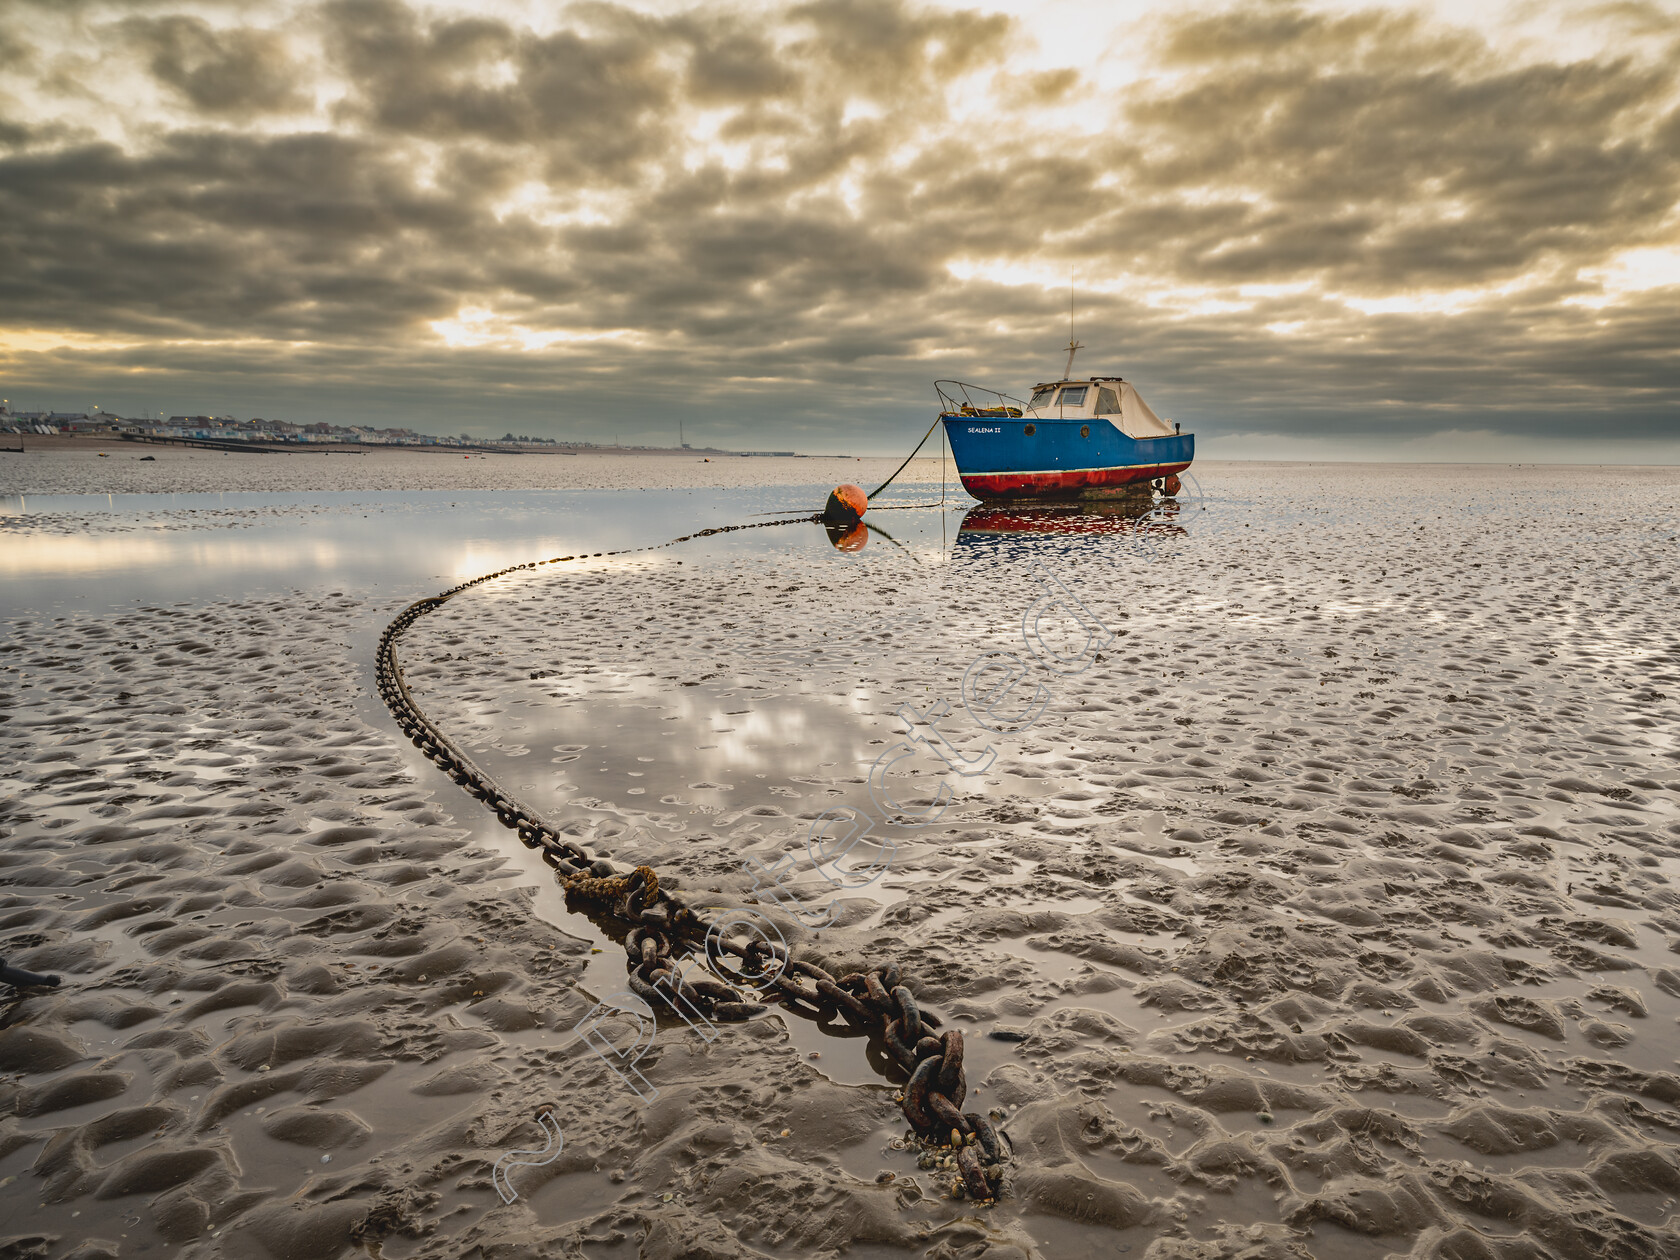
(932, 1100)
(666, 929)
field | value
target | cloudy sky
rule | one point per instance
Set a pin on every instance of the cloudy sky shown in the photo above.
(1440, 232)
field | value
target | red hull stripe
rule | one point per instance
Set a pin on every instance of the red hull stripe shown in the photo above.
(1003, 485)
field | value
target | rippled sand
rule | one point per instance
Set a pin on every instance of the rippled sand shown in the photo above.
(1331, 913)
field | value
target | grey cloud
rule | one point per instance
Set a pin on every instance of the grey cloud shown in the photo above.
(239, 71)
(888, 50)
(281, 236)
(16, 52)
(1040, 87)
(592, 103)
(1386, 153)
(734, 64)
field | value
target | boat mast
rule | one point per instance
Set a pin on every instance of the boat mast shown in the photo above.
(1073, 347)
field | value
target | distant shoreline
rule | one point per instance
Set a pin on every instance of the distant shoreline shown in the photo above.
(16, 443)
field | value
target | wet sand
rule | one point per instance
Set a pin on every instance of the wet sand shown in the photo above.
(83, 466)
(1331, 913)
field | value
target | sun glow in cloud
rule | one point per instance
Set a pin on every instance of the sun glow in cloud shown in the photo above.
(1038, 273)
(475, 327)
(47, 340)
(1631, 271)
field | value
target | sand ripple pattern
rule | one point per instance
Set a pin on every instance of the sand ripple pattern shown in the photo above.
(1333, 914)
(1334, 910)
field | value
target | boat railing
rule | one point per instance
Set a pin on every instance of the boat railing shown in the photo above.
(958, 398)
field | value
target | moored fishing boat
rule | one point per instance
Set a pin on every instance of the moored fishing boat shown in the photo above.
(1089, 438)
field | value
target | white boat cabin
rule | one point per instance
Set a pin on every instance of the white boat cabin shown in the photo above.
(1107, 397)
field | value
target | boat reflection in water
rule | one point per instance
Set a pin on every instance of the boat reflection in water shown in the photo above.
(988, 524)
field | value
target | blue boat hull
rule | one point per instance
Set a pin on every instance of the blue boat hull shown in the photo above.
(1008, 458)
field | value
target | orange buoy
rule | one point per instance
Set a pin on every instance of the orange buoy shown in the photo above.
(1170, 486)
(846, 505)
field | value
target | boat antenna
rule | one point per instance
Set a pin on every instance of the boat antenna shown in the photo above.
(1073, 346)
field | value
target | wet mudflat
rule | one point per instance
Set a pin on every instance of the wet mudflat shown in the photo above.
(1330, 912)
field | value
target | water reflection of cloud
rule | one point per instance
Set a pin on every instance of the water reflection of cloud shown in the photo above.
(91, 556)
(192, 544)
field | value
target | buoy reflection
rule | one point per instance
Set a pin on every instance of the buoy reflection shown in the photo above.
(853, 537)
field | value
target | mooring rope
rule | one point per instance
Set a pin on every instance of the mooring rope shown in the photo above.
(912, 455)
(874, 1000)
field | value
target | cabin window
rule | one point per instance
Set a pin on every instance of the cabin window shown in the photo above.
(1074, 396)
(1042, 397)
(1030, 430)
(1108, 403)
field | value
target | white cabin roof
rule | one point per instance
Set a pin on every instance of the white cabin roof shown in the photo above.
(1123, 407)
